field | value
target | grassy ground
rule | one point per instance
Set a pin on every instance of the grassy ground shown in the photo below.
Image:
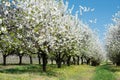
(104, 72)
(34, 72)
(116, 70)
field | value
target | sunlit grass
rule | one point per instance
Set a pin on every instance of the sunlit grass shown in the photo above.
(34, 72)
(74, 72)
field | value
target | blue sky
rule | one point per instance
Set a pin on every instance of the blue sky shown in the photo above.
(103, 11)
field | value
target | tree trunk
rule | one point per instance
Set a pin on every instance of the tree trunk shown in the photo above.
(51, 61)
(88, 61)
(68, 60)
(39, 59)
(44, 61)
(20, 59)
(94, 63)
(81, 60)
(74, 61)
(78, 59)
(118, 63)
(64, 62)
(59, 64)
(59, 61)
(31, 61)
(4, 59)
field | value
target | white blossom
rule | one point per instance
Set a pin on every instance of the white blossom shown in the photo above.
(3, 29)
(7, 4)
(6, 12)
(0, 21)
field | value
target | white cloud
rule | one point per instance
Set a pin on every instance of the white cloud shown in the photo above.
(93, 21)
(85, 9)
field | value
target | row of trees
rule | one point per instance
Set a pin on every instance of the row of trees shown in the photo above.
(113, 40)
(48, 29)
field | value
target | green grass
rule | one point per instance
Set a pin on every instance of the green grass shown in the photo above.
(116, 70)
(74, 72)
(104, 72)
(34, 72)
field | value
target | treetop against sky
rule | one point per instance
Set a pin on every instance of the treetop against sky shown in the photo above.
(96, 13)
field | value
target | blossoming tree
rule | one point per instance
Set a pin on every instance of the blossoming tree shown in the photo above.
(113, 40)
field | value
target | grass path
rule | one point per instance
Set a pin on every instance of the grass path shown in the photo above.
(104, 72)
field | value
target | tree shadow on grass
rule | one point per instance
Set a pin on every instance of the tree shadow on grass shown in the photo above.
(104, 72)
(115, 69)
(111, 67)
(34, 69)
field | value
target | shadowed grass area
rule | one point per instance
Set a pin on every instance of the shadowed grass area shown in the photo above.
(34, 72)
(104, 72)
(36, 69)
(116, 70)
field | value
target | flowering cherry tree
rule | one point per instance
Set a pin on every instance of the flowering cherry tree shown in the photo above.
(113, 40)
(9, 27)
(46, 28)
